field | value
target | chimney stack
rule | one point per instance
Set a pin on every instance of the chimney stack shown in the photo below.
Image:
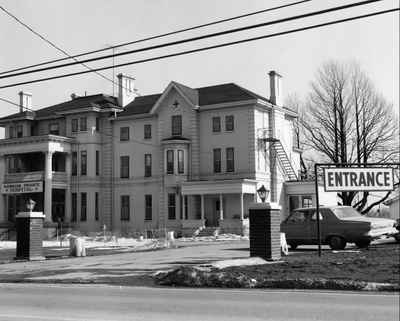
(25, 101)
(275, 85)
(126, 89)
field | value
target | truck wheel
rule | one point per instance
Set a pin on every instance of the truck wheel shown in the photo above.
(397, 237)
(337, 243)
(362, 244)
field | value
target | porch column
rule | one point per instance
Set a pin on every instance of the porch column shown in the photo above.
(241, 207)
(202, 206)
(48, 177)
(183, 207)
(221, 208)
(68, 172)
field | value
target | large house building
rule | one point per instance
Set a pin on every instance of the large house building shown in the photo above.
(182, 159)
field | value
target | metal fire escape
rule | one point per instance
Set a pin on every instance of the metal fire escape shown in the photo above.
(283, 159)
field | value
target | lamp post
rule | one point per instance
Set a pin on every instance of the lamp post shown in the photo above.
(263, 193)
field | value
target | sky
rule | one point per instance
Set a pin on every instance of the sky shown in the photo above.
(78, 26)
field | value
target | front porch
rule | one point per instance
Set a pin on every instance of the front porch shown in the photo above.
(219, 204)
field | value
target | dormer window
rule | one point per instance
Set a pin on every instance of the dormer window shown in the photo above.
(176, 125)
(54, 129)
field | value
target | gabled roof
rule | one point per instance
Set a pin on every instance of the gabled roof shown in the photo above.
(209, 95)
(99, 101)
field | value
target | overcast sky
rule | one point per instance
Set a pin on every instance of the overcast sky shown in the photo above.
(77, 26)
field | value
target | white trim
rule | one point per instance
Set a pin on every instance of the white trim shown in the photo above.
(219, 187)
(30, 215)
(228, 104)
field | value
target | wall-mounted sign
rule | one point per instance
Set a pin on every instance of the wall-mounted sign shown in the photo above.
(25, 187)
(340, 179)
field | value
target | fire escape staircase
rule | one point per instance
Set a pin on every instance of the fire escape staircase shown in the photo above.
(281, 155)
(284, 161)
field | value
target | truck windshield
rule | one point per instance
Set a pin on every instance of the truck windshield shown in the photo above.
(344, 212)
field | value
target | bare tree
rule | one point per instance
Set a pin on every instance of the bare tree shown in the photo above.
(347, 121)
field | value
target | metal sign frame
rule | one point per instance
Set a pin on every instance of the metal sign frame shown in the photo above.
(343, 165)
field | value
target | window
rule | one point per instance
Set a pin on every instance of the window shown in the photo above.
(176, 125)
(124, 168)
(125, 207)
(83, 124)
(54, 129)
(83, 206)
(19, 130)
(74, 163)
(97, 124)
(230, 159)
(181, 163)
(216, 124)
(96, 206)
(229, 123)
(147, 131)
(217, 160)
(306, 201)
(148, 199)
(171, 206)
(297, 217)
(147, 165)
(83, 162)
(74, 125)
(97, 163)
(170, 161)
(124, 133)
(11, 133)
(74, 207)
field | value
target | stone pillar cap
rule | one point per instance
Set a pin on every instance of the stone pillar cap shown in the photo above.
(266, 206)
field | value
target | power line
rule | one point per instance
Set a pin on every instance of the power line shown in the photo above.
(53, 44)
(159, 36)
(302, 16)
(209, 47)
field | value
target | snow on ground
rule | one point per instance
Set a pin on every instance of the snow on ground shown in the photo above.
(101, 243)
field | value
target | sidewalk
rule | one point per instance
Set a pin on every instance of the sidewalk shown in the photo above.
(130, 268)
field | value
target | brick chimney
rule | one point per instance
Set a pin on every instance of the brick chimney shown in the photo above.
(275, 85)
(25, 101)
(126, 89)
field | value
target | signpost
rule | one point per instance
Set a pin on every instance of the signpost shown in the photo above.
(359, 177)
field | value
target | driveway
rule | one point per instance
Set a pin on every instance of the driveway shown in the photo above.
(132, 268)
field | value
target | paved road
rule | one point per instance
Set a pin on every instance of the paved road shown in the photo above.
(32, 302)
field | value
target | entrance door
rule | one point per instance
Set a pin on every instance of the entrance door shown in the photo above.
(212, 217)
(58, 205)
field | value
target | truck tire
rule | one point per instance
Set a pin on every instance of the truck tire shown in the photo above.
(337, 243)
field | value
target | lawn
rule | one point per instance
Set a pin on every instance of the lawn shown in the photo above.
(352, 269)
(379, 263)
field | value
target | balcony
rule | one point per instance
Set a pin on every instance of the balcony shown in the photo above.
(58, 177)
(23, 177)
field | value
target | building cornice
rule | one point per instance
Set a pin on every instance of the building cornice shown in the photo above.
(36, 139)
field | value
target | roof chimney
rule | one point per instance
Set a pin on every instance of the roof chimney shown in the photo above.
(126, 89)
(275, 85)
(25, 101)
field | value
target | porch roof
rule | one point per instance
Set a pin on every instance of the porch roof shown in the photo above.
(245, 186)
(30, 144)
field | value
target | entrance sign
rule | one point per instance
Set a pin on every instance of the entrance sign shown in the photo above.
(340, 179)
(19, 188)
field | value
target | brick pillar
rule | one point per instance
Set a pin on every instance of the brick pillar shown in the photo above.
(265, 241)
(29, 236)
